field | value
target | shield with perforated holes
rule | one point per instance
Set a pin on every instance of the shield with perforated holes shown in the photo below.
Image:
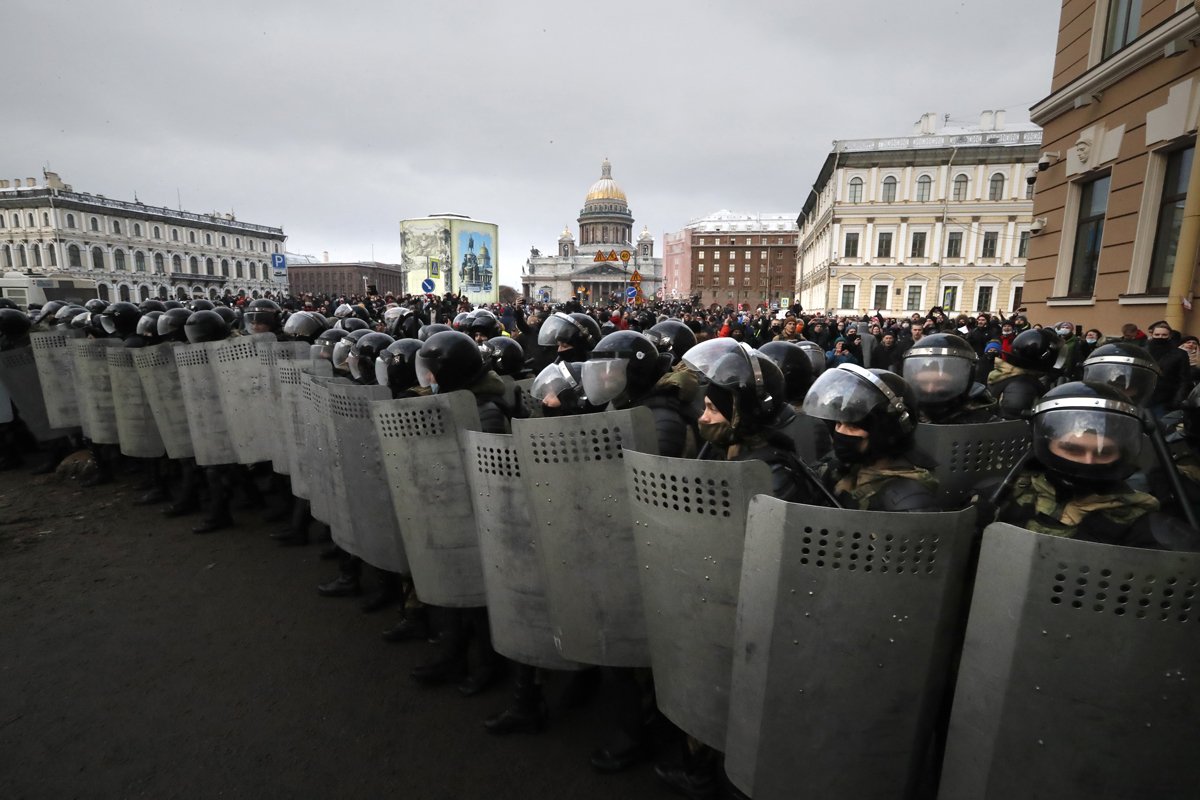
(135, 420)
(689, 521)
(56, 373)
(427, 477)
(512, 570)
(92, 382)
(1078, 672)
(270, 355)
(294, 421)
(244, 396)
(160, 381)
(845, 628)
(968, 455)
(201, 395)
(573, 469)
(327, 485)
(19, 374)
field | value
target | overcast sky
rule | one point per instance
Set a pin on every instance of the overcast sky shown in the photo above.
(336, 120)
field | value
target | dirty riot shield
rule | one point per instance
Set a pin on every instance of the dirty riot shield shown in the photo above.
(160, 381)
(97, 413)
(532, 404)
(294, 423)
(689, 518)
(574, 473)
(845, 631)
(244, 397)
(327, 485)
(512, 570)
(19, 374)
(968, 455)
(427, 476)
(56, 372)
(135, 420)
(270, 356)
(373, 528)
(1078, 673)
(201, 395)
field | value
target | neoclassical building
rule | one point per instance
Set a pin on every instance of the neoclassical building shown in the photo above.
(132, 250)
(602, 263)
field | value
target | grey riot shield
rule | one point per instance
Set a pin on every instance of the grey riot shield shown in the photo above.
(518, 398)
(532, 404)
(243, 396)
(202, 401)
(94, 386)
(160, 381)
(1078, 674)
(845, 628)
(270, 355)
(135, 420)
(19, 374)
(968, 455)
(512, 570)
(427, 476)
(56, 371)
(373, 528)
(689, 518)
(326, 474)
(294, 429)
(573, 471)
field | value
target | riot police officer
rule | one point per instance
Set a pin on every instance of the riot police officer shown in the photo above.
(1126, 367)
(209, 326)
(1019, 381)
(940, 369)
(574, 335)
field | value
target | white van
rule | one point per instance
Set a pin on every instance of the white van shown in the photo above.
(24, 289)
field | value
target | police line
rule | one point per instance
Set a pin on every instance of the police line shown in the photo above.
(812, 645)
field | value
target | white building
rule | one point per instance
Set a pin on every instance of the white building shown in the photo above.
(902, 224)
(132, 250)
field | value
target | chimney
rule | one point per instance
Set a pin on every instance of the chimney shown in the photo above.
(986, 120)
(1000, 120)
(4, 184)
(325, 256)
(30, 182)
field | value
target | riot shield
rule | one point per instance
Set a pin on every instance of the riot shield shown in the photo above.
(373, 529)
(1077, 676)
(845, 631)
(56, 371)
(243, 396)
(94, 386)
(295, 430)
(427, 476)
(135, 420)
(160, 381)
(19, 374)
(532, 405)
(512, 571)
(270, 355)
(327, 485)
(573, 471)
(202, 402)
(690, 519)
(968, 455)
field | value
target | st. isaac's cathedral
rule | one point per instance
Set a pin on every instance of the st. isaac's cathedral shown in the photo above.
(605, 261)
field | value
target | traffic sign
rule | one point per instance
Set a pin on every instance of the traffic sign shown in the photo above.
(279, 265)
(631, 292)
(659, 294)
(427, 286)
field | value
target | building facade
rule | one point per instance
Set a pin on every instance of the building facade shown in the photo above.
(454, 252)
(733, 259)
(134, 251)
(1120, 130)
(604, 262)
(939, 218)
(345, 278)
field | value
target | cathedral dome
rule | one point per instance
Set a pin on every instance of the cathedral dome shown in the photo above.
(605, 188)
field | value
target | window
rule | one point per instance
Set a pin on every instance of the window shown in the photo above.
(237, 269)
(996, 187)
(960, 188)
(1018, 296)
(1089, 231)
(194, 265)
(851, 250)
(192, 237)
(30, 217)
(22, 257)
(238, 243)
(37, 255)
(53, 253)
(139, 261)
(881, 296)
(848, 296)
(45, 219)
(716, 254)
(918, 244)
(924, 187)
(2, 223)
(95, 224)
(762, 253)
(885, 245)
(119, 260)
(700, 268)
(701, 255)
(984, 301)
(1122, 25)
(856, 185)
(747, 254)
(116, 226)
(1028, 191)
(1170, 218)
(253, 271)
(70, 220)
(8, 262)
(209, 267)
(137, 229)
(889, 189)
(160, 265)
(731, 280)
(224, 268)
(16, 220)
(1023, 245)
(176, 264)
(224, 243)
(949, 297)
(73, 258)
(174, 234)
(157, 232)
(97, 258)
(208, 238)
(990, 240)
(954, 244)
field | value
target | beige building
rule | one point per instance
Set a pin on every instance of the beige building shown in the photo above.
(902, 224)
(1120, 125)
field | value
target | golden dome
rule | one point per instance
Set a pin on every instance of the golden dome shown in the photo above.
(606, 188)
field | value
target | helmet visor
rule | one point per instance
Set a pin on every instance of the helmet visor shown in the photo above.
(381, 371)
(321, 350)
(704, 356)
(815, 355)
(839, 395)
(360, 368)
(426, 371)
(300, 325)
(109, 324)
(341, 353)
(552, 381)
(1134, 382)
(259, 321)
(604, 379)
(937, 378)
(1095, 444)
(559, 327)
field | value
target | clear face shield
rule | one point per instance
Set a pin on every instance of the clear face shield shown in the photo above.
(704, 356)
(259, 321)
(1132, 381)
(341, 353)
(841, 396)
(816, 356)
(426, 372)
(109, 324)
(1091, 443)
(604, 379)
(361, 368)
(553, 381)
(558, 327)
(938, 378)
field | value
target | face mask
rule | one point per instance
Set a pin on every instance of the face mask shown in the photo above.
(846, 448)
(719, 433)
(1159, 346)
(1090, 340)
(1065, 332)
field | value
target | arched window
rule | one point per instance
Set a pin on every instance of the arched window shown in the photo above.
(16, 220)
(224, 267)
(181, 293)
(174, 234)
(253, 271)
(162, 293)
(52, 251)
(192, 237)
(119, 260)
(960, 188)
(176, 264)
(157, 232)
(208, 238)
(889, 189)
(137, 229)
(73, 259)
(924, 187)
(97, 258)
(31, 224)
(37, 254)
(144, 292)
(8, 256)
(3, 224)
(22, 258)
(996, 187)
(46, 219)
(223, 244)
(194, 265)
(102, 290)
(70, 220)
(237, 269)
(159, 263)
(238, 243)
(116, 228)
(139, 261)
(856, 185)
(209, 267)
(123, 293)
(95, 224)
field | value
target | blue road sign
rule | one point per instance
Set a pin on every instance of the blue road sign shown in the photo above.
(279, 264)
(631, 292)
(427, 286)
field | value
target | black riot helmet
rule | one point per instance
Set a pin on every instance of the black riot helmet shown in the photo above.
(795, 365)
(229, 315)
(341, 350)
(262, 316)
(14, 328)
(363, 355)
(449, 361)
(504, 355)
(624, 362)
(399, 322)
(120, 319)
(171, 323)
(1125, 366)
(880, 402)
(67, 313)
(172, 304)
(747, 388)
(6, 302)
(432, 330)
(672, 336)
(305, 326)
(96, 306)
(46, 313)
(147, 326)
(574, 331)
(940, 368)
(1086, 434)
(816, 356)
(1038, 349)
(351, 324)
(482, 325)
(205, 325)
(323, 345)
(152, 305)
(705, 355)
(559, 388)
(460, 319)
(200, 304)
(396, 366)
